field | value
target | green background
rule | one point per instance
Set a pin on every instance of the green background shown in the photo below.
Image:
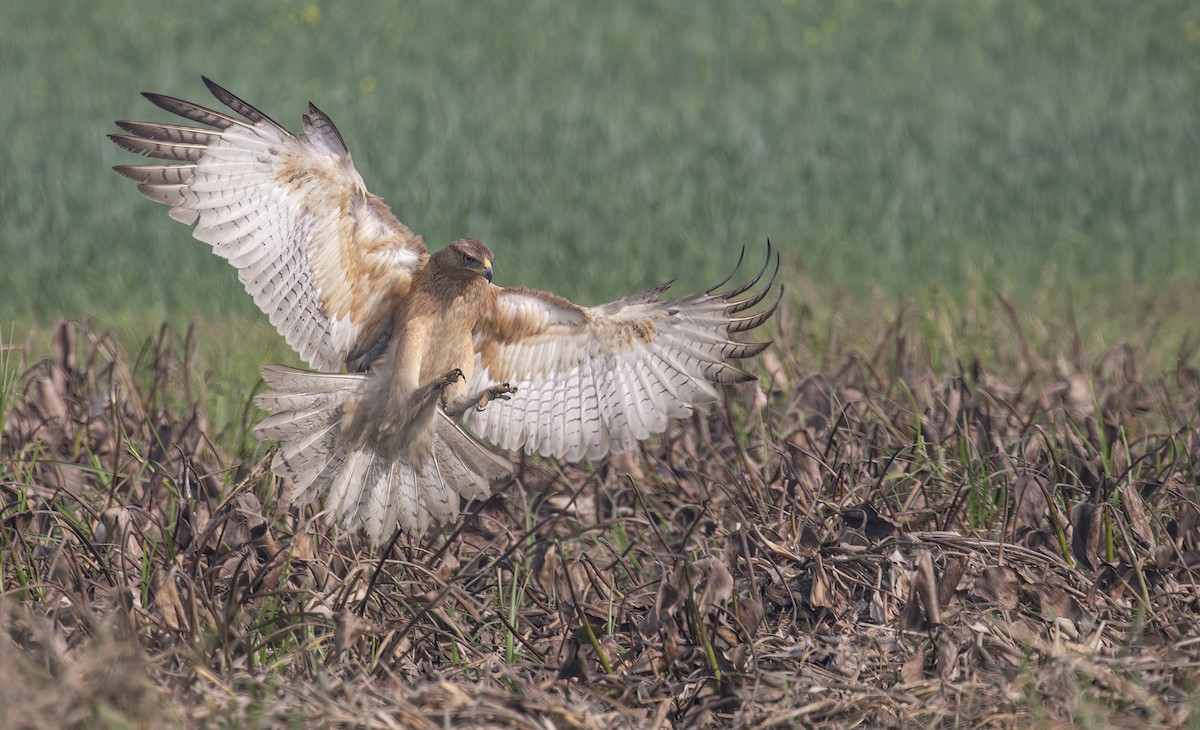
(602, 147)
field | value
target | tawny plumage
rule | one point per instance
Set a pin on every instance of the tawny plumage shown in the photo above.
(429, 340)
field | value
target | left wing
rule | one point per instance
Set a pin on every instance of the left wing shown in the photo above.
(593, 381)
(324, 259)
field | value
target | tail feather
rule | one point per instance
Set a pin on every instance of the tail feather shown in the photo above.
(277, 402)
(387, 510)
(293, 390)
(316, 479)
(473, 455)
(370, 483)
(349, 484)
(296, 381)
(376, 499)
(300, 455)
(452, 471)
(286, 424)
(406, 501)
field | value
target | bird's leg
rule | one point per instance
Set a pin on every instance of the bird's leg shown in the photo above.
(399, 423)
(428, 393)
(480, 400)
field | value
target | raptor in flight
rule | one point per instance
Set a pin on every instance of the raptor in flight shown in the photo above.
(428, 342)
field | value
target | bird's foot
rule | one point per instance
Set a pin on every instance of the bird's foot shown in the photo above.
(448, 378)
(503, 391)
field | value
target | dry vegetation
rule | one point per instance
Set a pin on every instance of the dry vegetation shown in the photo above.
(892, 541)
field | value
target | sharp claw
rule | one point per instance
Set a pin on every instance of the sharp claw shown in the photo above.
(503, 391)
(450, 377)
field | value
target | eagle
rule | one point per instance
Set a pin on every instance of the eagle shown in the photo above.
(435, 355)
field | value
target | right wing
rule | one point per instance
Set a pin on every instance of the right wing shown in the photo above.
(596, 380)
(323, 258)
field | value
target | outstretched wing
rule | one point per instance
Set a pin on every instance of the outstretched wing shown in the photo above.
(322, 256)
(598, 380)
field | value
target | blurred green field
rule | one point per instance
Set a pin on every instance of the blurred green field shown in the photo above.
(601, 147)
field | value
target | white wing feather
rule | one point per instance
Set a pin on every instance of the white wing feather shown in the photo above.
(321, 256)
(596, 381)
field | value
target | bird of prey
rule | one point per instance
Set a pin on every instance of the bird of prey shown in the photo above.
(429, 344)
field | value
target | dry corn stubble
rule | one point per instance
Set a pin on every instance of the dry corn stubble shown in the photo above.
(880, 543)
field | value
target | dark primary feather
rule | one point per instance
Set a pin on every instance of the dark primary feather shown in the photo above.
(233, 102)
(159, 150)
(192, 111)
(169, 132)
(317, 123)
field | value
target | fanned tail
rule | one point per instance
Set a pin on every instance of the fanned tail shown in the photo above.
(367, 482)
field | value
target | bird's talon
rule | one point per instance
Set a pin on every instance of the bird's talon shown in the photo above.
(450, 377)
(496, 392)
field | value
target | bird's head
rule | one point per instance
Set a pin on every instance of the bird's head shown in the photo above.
(471, 256)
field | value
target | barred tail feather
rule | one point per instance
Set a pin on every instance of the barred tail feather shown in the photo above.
(365, 485)
(457, 450)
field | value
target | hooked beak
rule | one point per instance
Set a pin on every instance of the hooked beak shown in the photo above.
(487, 271)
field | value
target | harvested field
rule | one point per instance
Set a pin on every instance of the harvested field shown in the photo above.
(891, 539)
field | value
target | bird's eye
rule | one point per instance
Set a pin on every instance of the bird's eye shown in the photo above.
(469, 259)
